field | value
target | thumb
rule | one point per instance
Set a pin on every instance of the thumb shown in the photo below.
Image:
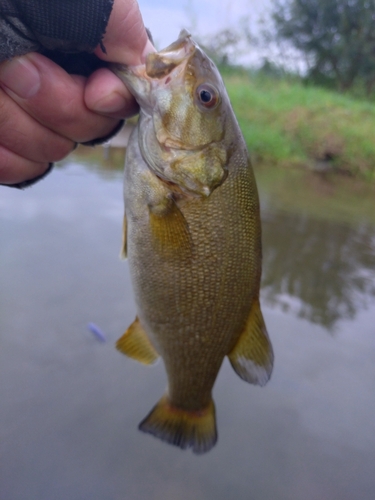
(125, 40)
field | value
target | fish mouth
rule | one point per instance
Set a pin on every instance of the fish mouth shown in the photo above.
(158, 66)
(161, 64)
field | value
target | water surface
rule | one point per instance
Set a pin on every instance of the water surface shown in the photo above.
(70, 404)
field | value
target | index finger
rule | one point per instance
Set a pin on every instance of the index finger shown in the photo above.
(58, 102)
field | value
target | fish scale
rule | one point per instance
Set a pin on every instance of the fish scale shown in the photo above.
(193, 240)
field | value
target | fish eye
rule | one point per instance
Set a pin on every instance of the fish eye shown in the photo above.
(208, 96)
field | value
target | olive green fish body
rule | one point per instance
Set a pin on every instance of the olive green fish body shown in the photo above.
(193, 240)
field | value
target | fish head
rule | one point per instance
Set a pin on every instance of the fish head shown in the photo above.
(185, 113)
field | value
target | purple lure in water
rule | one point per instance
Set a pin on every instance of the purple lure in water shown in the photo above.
(97, 332)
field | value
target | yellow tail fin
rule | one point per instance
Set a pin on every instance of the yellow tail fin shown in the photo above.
(186, 429)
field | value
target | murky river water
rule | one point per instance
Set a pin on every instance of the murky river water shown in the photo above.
(70, 404)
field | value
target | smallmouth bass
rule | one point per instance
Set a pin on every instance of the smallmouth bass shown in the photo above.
(192, 235)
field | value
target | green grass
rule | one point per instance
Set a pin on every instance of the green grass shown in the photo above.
(287, 123)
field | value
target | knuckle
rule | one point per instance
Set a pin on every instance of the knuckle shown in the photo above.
(62, 149)
(14, 169)
(60, 107)
(97, 128)
(68, 114)
(79, 124)
(4, 110)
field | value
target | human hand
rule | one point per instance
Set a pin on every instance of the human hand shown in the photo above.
(45, 111)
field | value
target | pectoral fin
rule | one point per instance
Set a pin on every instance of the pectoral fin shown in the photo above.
(136, 344)
(170, 231)
(124, 247)
(252, 356)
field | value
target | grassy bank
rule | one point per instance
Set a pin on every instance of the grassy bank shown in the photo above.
(286, 123)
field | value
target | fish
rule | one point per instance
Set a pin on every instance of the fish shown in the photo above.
(192, 236)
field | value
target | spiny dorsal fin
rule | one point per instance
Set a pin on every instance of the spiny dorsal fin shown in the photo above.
(170, 231)
(136, 344)
(124, 246)
(182, 428)
(252, 356)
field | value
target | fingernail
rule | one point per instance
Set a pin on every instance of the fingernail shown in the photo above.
(20, 76)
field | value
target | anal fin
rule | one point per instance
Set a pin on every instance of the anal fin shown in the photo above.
(136, 344)
(252, 356)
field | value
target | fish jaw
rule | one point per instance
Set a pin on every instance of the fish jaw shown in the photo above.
(142, 80)
(136, 81)
(161, 64)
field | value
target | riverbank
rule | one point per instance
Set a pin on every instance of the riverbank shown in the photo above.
(286, 123)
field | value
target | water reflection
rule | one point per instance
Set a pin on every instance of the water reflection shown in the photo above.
(318, 239)
(321, 270)
(318, 262)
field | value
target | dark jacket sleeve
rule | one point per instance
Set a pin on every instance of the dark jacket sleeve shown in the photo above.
(53, 27)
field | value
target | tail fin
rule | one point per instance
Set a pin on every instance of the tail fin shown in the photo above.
(186, 429)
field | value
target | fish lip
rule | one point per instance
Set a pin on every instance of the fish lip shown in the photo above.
(136, 80)
(175, 57)
(159, 65)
